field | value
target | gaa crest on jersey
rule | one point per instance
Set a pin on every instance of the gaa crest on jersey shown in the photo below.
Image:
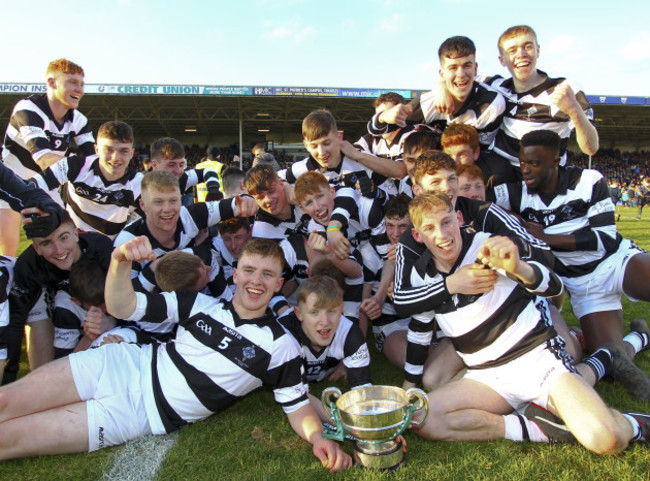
(248, 352)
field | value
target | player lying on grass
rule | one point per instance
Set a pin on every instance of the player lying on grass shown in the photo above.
(222, 351)
(513, 354)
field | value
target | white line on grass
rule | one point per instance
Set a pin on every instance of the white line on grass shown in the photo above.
(140, 459)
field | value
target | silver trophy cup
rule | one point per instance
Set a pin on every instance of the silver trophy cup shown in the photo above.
(374, 416)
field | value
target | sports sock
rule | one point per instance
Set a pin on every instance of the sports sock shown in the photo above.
(638, 435)
(519, 428)
(600, 362)
(638, 340)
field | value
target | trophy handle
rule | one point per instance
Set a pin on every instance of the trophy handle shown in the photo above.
(326, 398)
(421, 402)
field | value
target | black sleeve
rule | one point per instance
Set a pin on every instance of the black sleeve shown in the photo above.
(16, 192)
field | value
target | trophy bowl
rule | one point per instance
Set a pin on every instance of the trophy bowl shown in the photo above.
(375, 413)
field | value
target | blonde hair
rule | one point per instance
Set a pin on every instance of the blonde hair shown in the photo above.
(426, 204)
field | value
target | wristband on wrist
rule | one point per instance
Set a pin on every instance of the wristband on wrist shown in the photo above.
(332, 227)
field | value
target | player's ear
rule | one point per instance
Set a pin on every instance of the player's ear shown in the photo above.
(417, 190)
(416, 235)
(279, 284)
(296, 310)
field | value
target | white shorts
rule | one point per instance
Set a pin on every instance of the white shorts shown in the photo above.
(382, 332)
(601, 290)
(108, 379)
(527, 378)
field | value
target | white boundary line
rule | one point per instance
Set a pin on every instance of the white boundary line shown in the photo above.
(140, 459)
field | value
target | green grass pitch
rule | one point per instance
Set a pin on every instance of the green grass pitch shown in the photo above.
(222, 447)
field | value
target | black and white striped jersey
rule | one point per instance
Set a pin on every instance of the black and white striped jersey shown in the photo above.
(380, 147)
(191, 221)
(582, 207)
(192, 177)
(345, 174)
(487, 329)
(68, 318)
(34, 132)
(533, 110)
(215, 359)
(6, 280)
(483, 109)
(295, 256)
(406, 187)
(16, 192)
(373, 266)
(362, 219)
(267, 226)
(228, 261)
(478, 216)
(348, 345)
(94, 203)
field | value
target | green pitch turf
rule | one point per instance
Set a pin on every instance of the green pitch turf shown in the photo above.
(253, 441)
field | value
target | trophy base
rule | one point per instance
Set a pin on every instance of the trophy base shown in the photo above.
(386, 456)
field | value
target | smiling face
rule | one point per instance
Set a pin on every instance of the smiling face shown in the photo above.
(114, 157)
(162, 209)
(273, 201)
(319, 206)
(519, 55)
(443, 180)
(61, 247)
(257, 278)
(458, 75)
(319, 323)
(325, 150)
(439, 230)
(175, 166)
(67, 89)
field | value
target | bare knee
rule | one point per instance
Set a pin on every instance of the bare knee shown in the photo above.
(604, 437)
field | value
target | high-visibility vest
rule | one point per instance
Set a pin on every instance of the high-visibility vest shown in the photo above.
(201, 189)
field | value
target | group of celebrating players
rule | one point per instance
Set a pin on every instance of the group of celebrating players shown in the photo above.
(453, 228)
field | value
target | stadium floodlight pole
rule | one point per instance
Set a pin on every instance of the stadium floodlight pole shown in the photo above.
(241, 142)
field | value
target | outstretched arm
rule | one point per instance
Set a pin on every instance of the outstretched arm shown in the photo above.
(119, 294)
(306, 423)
